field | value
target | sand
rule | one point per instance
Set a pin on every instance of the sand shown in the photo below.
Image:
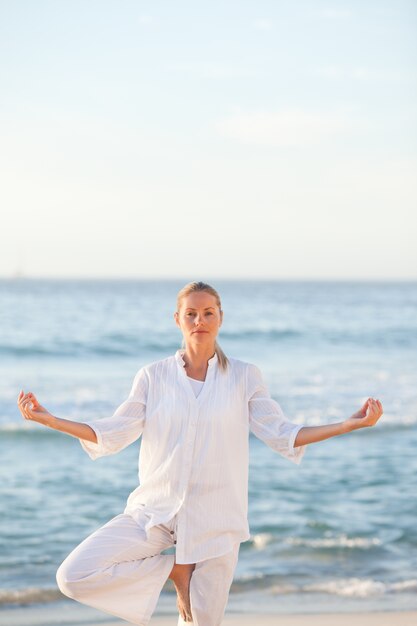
(329, 619)
(387, 618)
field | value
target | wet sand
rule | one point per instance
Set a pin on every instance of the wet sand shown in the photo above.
(24, 617)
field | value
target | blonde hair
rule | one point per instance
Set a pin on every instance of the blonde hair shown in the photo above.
(200, 286)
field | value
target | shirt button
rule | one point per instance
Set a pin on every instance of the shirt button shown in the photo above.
(172, 532)
(175, 542)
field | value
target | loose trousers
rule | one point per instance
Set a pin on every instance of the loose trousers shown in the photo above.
(121, 571)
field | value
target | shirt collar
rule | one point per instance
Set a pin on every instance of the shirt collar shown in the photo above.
(179, 357)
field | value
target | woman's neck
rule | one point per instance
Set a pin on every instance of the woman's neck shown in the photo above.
(196, 361)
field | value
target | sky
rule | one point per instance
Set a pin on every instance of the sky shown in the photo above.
(229, 139)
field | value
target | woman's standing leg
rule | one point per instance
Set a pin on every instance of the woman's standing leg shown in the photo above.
(209, 588)
(117, 569)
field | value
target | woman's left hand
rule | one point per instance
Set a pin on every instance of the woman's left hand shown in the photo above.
(368, 415)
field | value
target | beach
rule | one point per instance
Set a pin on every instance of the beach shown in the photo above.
(331, 619)
(46, 617)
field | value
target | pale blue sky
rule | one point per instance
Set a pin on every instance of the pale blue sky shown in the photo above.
(207, 140)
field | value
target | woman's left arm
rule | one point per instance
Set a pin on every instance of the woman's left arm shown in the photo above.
(368, 415)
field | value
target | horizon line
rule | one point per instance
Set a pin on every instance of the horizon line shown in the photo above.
(23, 277)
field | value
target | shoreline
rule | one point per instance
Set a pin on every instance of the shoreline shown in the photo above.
(76, 615)
(387, 618)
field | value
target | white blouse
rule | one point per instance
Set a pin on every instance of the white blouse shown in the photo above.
(194, 454)
(197, 385)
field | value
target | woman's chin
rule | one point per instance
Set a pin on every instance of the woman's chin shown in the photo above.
(201, 338)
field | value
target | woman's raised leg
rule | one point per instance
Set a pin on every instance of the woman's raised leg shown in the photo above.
(118, 569)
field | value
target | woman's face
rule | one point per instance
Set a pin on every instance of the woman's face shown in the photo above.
(199, 318)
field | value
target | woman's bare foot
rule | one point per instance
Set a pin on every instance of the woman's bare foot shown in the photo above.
(181, 576)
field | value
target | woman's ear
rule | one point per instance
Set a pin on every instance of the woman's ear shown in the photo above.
(176, 319)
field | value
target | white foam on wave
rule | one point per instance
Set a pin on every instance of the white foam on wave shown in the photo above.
(283, 589)
(18, 426)
(340, 541)
(30, 595)
(301, 390)
(360, 587)
(261, 540)
(344, 587)
(404, 585)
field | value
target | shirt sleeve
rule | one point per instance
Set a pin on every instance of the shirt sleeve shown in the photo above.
(267, 420)
(124, 426)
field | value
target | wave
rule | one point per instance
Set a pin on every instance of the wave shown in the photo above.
(130, 344)
(346, 587)
(342, 541)
(361, 587)
(30, 595)
(77, 349)
(23, 428)
(270, 334)
(260, 541)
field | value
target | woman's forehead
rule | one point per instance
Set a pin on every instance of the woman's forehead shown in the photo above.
(199, 299)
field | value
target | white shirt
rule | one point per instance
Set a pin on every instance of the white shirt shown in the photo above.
(197, 385)
(194, 455)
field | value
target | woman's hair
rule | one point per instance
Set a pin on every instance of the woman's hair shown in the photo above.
(200, 286)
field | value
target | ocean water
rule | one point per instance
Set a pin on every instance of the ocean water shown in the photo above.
(338, 532)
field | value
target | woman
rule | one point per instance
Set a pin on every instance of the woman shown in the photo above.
(194, 411)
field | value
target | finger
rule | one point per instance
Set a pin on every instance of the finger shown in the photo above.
(26, 395)
(35, 401)
(371, 408)
(32, 398)
(24, 413)
(364, 406)
(28, 411)
(376, 410)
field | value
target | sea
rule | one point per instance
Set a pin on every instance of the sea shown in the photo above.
(336, 533)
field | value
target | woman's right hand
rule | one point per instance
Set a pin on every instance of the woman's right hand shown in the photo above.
(31, 409)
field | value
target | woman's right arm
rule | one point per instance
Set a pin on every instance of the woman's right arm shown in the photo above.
(32, 410)
(100, 437)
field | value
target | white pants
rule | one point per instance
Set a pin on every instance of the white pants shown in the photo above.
(117, 569)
